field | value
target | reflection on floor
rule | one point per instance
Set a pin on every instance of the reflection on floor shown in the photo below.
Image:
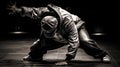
(13, 50)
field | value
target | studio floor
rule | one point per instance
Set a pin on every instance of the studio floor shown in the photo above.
(12, 50)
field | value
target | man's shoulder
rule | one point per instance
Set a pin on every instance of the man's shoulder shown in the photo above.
(72, 17)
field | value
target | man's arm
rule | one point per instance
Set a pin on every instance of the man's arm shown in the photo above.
(73, 39)
(31, 12)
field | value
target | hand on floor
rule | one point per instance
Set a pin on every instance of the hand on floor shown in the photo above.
(61, 63)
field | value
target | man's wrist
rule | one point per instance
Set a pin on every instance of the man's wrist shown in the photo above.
(18, 10)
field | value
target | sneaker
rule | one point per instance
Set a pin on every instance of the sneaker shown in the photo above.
(106, 58)
(27, 58)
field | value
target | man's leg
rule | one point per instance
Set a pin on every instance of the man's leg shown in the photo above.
(36, 51)
(89, 45)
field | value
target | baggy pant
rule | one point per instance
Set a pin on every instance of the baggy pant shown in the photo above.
(40, 47)
(89, 45)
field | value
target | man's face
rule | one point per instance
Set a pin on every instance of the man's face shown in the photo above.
(49, 24)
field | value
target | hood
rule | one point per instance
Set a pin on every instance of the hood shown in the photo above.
(56, 12)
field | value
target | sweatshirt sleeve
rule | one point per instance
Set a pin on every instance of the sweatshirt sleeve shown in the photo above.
(72, 36)
(32, 12)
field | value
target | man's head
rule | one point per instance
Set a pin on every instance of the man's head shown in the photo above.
(49, 24)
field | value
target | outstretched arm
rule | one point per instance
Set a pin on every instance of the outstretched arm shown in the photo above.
(31, 12)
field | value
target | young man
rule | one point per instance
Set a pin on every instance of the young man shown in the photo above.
(58, 27)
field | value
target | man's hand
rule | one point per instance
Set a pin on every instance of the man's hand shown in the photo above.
(61, 63)
(13, 9)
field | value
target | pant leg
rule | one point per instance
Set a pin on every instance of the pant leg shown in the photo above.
(89, 45)
(38, 49)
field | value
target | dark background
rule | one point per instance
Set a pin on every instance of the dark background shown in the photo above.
(100, 15)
